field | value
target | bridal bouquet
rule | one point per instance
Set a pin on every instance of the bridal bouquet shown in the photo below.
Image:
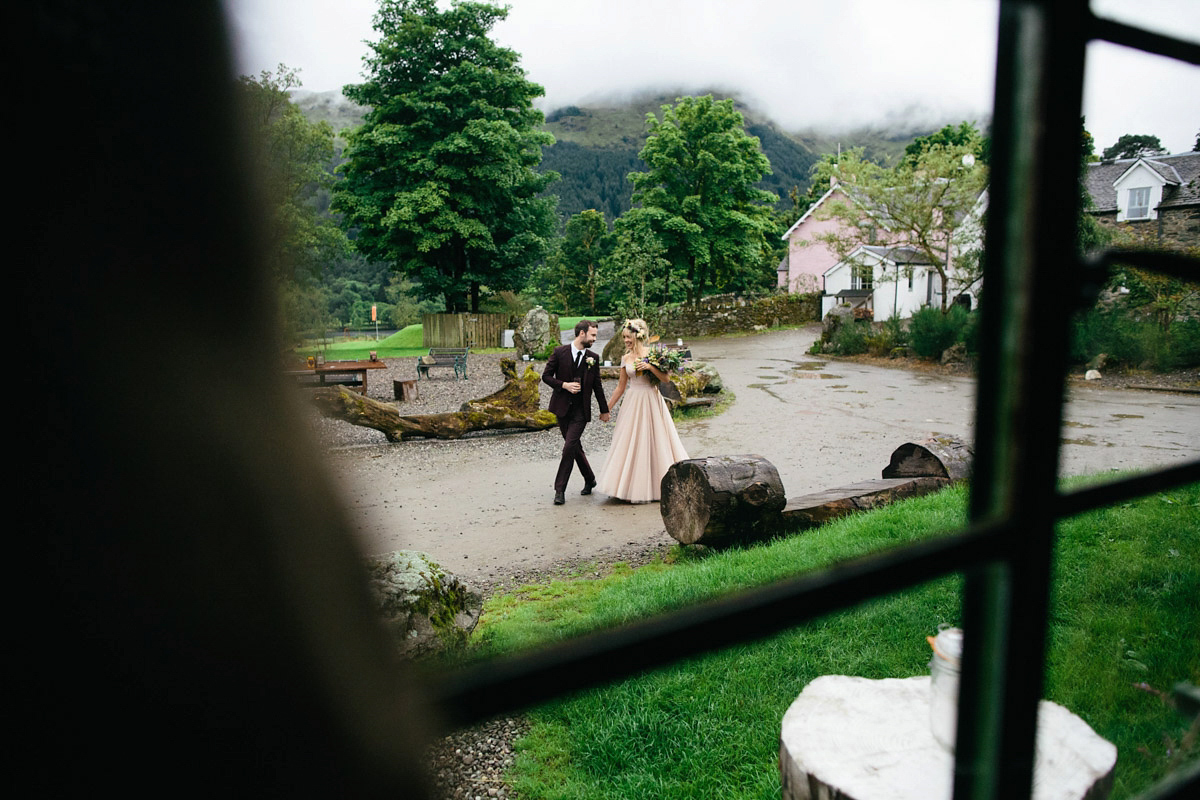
(667, 361)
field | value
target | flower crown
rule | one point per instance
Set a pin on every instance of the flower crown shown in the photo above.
(637, 327)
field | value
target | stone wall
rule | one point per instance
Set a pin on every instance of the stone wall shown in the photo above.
(733, 313)
(1175, 226)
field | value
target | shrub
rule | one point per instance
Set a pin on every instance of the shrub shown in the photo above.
(930, 331)
(850, 338)
(1185, 344)
(888, 337)
(1133, 341)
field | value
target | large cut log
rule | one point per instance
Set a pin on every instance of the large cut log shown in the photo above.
(850, 738)
(937, 457)
(721, 499)
(485, 414)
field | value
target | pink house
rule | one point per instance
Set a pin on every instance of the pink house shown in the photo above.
(808, 258)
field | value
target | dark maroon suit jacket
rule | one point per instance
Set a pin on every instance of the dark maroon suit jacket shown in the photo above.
(560, 368)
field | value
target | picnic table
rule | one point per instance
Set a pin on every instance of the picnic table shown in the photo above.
(352, 374)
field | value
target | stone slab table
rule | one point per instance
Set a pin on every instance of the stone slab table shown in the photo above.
(847, 738)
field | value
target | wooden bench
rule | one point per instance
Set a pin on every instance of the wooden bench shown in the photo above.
(444, 357)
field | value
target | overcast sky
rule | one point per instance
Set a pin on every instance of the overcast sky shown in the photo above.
(806, 63)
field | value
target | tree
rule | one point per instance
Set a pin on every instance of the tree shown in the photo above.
(964, 135)
(637, 268)
(917, 205)
(440, 180)
(292, 157)
(1091, 235)
(698, 193)
(572, 273)
(1134, 146)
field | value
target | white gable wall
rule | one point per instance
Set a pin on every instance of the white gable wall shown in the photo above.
(1139, 176)
(890, 296)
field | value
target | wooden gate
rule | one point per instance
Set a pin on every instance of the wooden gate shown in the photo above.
(463, 330)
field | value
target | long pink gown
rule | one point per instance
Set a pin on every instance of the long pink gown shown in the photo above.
(644, 443)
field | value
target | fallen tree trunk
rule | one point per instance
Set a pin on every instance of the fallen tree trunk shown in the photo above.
(937, 457)
(721, 499)
(486, 414)
(697, 385)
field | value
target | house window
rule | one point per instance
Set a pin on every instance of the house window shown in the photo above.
(1139, 203)
(863, 277)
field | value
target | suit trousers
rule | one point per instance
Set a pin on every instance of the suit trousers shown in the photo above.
(571, 425)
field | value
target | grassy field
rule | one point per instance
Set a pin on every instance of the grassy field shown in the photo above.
(1123, 631)
(404, 343)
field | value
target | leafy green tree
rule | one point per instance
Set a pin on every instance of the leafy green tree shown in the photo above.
(292, 158)
(440, 180)
(1134, 145)
(405, 309)
(637, 268)
(585, 243)
(964, 135)
(1092, 235)
(698, 193)
(918, 204)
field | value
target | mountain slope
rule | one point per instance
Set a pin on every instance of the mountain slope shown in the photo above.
(597, 146)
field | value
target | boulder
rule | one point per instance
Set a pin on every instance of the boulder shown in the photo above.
(712, 384)
(1092, 375)
(1099, 362)
(537, 328)
(834, 319)
(614, 349)
(955, 354)
(425, 608)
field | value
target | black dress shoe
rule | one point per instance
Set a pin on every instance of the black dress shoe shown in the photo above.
(587, 487)
(559, 499)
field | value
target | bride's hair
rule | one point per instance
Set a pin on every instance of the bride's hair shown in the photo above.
(638, 328)
(640, 334)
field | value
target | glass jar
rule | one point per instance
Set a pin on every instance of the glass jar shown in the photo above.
(943, 686)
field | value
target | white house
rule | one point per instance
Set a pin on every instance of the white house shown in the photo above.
(886, 280)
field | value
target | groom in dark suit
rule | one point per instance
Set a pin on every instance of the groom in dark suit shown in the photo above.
(573, 371)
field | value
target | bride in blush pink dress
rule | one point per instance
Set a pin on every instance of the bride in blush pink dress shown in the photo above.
(644, 443)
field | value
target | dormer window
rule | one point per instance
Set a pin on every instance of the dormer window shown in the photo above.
(1139, 203)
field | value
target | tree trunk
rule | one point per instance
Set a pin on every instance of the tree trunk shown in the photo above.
(721, 499)
(938, 457)
(513, 407)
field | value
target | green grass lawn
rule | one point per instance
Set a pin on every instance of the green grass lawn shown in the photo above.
(1123, 630)
(401, 344)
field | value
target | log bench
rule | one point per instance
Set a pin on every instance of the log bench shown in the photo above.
(722, 500)
(455, 357)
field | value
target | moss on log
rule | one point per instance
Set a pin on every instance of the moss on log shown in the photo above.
(513, 407)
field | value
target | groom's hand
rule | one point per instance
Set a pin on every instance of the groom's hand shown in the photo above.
(573, 387)
(604, 417)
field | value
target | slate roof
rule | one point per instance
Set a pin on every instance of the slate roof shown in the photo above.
(898, 255)
(1181, 172)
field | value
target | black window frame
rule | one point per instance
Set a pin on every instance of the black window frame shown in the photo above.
(1005, 552)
